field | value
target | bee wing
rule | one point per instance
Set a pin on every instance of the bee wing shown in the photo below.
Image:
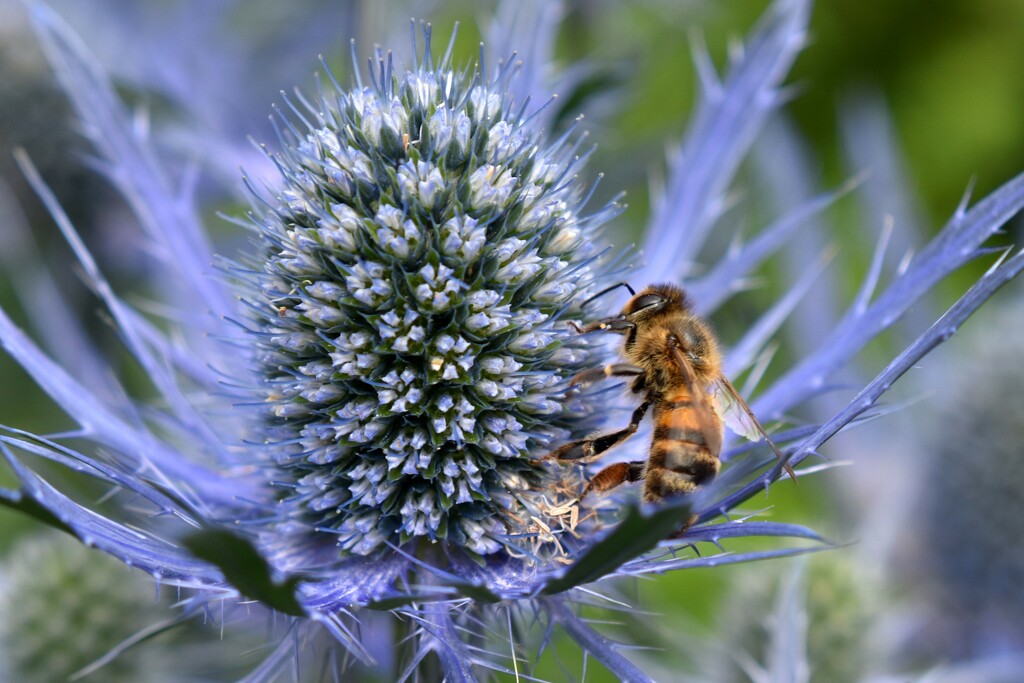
(701, 404)
(735, 412)
(687, 372)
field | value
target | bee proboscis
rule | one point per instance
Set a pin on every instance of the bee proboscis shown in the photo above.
(674, 361)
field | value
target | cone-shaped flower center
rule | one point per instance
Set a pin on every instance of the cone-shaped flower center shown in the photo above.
(416, 275)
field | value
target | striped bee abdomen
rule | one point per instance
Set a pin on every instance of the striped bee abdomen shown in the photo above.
(685, 448)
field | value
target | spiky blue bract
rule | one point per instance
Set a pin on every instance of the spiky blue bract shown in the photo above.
(413, 284)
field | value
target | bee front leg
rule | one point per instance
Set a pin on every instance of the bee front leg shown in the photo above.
(593, 448)
(588, 377)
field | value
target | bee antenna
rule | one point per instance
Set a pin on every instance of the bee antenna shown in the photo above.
(609, 289)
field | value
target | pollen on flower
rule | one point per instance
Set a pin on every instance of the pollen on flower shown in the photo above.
(418, 259)
(556, 526)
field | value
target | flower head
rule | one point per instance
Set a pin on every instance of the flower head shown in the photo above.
(972, 497)
(71, 613)
(64, 610)
(410, 298)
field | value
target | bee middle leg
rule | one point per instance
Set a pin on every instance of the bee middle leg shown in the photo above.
(594, 447)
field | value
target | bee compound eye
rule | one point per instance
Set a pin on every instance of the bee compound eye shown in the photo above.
(646, 301)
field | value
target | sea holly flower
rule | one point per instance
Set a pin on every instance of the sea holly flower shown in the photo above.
(409, 304)
(353, 414)
(978, 398)
(63, 610)
(71, 613)
(817, 620)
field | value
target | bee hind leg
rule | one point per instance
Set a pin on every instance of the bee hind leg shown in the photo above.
(613, 476)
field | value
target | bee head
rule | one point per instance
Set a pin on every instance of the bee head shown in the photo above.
(653, 300)
(646, 305)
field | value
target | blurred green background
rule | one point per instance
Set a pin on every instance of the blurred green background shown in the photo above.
(949, 71)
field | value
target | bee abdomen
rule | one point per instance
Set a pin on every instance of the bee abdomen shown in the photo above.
(684, 451)
(667, 432)
(677, 468)
(688, 458)
(693, 423)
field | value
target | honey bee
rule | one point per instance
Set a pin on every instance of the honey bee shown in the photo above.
(676, 365)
